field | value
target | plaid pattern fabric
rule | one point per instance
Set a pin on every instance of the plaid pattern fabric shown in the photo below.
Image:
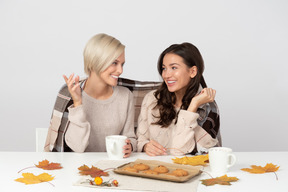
(209, 114)
(209, 120)
(59, 120)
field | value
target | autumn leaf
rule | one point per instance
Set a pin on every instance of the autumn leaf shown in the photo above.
(223, 180)
(269, 167)
(45, 165)
(195, 160)
(48, 166)
(93, 171)
(30, 178)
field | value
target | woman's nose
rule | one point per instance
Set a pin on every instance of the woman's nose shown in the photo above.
(166, 74)
(120, 69)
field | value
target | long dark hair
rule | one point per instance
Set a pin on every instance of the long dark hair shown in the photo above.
(165, 99)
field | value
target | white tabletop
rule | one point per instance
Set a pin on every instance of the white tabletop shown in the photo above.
(12, 162)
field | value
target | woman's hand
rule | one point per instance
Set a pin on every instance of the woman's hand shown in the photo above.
(207, 95)
(74, 89)
(127, 148)
(153, 148)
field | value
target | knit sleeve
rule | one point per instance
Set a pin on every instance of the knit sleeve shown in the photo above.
(128, 129)
(187, 133)
(78, 130)
(143, 134)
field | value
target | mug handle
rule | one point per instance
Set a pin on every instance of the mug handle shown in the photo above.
(232, 158)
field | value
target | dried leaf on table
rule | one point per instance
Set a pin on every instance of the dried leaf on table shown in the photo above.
(223, 180)
(269, 167)
(93, 171)
(48, 166)
(45, 165)
(195, 160)
(30, 178)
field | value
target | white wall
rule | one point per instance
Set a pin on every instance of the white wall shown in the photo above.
(244, 45)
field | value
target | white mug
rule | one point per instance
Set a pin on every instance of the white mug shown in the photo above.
(114, 146)
(220, 159)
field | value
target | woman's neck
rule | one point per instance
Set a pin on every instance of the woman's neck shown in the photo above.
(179, 96)
(97, 88)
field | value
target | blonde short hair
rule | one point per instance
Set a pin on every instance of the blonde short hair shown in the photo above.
(100, 52)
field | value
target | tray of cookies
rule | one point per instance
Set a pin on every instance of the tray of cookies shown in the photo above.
(159, 170)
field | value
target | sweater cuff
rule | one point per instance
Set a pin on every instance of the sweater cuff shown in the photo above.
(76, 114)
(141, 145)
(189, 118)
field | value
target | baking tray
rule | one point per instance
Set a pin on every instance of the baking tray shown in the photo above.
(192, 170)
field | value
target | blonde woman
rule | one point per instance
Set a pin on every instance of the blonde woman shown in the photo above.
(98, 107)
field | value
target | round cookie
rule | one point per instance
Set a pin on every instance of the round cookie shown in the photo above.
(150, 172)
(180, 172)
(161, 169)
(131, 169)
(141, 167)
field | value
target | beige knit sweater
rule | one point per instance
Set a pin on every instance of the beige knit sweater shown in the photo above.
(183, 135)
(95, 119)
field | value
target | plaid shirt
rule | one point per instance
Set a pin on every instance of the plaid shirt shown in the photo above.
(209, 116)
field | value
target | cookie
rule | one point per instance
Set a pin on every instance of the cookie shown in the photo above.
(131, 169)
(141, 167)
(161, 169)
(180, 172)
(150, 172)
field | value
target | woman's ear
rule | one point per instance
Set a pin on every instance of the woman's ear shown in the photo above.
(193, 72)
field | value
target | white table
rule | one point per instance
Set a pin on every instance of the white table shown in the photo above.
(12, 162)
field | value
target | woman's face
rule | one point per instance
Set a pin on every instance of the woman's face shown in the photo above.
(111, 74)
(176, 74)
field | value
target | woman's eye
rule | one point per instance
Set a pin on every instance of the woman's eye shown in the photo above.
(114, 63)
(174, 67)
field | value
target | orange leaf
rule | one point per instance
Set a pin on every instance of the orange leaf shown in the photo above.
(30, 178)
(269, 167)
(48, 166)
(195, 160)
(93, 171)
(223, 180)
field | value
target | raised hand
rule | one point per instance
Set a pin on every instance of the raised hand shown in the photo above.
(74, 89)
(153, 148)
(207, 95)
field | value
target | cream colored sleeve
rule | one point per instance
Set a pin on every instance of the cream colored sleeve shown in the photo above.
(187, 133)
(78, 130)
(128, 129)
(143, 125)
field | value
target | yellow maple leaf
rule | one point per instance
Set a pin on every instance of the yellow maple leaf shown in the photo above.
(195, 160)
(223, 180)
(269, 167)
(30, 178)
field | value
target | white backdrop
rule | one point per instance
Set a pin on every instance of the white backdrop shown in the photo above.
(244, 44)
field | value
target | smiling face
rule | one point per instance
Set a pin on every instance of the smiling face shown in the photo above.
(111, 74)
(176, 74)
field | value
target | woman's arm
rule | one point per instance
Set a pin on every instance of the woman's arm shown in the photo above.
(145, 144)
(187, 133)
(128, 129)
(78, 130)
(143, 126)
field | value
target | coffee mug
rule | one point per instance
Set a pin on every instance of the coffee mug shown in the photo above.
(114, 146)
(220, 160)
